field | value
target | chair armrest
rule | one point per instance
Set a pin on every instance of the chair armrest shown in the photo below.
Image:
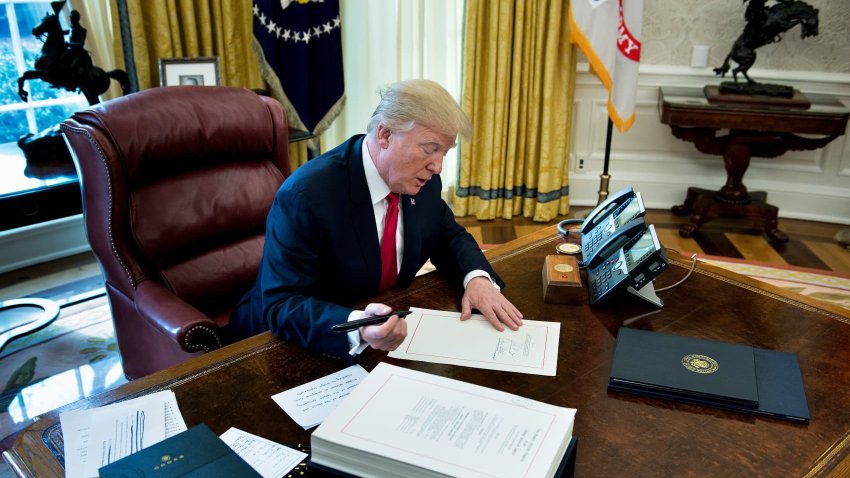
(189, 327)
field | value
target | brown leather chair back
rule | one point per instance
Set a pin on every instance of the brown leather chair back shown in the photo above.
(177, 182)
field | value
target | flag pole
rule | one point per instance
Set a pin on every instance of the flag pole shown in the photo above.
(605, 177)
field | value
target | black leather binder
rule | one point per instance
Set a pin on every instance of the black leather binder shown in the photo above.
(706, 372)
(196, 452)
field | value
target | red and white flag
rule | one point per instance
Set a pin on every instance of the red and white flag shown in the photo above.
(608, 32)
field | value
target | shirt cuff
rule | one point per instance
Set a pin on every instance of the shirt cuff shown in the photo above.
(479, 273)
(357, 346)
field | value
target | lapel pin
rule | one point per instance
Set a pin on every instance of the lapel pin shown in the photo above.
(412, 202)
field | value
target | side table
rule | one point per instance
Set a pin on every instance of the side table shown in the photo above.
(761, 130)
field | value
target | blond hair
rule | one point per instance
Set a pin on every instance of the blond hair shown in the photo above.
(424, 102)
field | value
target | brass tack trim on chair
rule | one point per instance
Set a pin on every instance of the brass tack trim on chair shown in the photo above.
(109, 205)
(194, 347)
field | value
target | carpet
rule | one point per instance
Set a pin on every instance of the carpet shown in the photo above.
(74, 357)
(826, 286)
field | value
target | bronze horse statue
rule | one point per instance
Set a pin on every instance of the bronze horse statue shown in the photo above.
(765, 26)
(67, 64)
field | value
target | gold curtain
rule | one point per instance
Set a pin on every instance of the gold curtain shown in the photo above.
(192, 28)
(184, 28)
(96, 17)
(518, 86)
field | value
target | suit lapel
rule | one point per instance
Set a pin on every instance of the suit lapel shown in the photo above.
(363, 215)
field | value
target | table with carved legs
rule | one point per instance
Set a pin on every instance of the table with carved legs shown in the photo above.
(754, 130)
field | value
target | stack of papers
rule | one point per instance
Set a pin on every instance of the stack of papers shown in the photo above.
(402, 423)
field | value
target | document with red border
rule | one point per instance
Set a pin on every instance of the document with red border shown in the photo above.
(402, 423)
(441, 337)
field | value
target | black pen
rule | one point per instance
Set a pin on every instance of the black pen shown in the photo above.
(376, 319)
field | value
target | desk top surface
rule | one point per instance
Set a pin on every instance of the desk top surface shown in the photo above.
(619, 434)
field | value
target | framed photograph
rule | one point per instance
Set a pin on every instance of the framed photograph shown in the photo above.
(200, 71)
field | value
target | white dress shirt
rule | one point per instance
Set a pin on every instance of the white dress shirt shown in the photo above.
(378, 191)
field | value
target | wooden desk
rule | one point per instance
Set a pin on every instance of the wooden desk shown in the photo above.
(619, 434)
(754, 130)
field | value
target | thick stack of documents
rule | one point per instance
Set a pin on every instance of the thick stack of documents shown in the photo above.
(706, 372)
(404, 423)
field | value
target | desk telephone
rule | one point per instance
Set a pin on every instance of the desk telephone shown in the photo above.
(610, 226)
(632, 268)
(618, 249)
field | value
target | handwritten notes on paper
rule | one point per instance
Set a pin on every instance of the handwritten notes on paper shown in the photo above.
(310, 403)
(270, 459)
(96, 437)
(440, 337)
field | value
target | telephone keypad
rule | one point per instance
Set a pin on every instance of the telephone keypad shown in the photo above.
(605, 276)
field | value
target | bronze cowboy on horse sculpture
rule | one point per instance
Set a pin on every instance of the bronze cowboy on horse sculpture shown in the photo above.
(67, 64)
(63, 65)
(765, 25)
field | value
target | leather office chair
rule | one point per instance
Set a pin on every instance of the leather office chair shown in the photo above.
(176, 183)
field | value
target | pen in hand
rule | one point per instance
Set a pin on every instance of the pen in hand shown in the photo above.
(375, 319)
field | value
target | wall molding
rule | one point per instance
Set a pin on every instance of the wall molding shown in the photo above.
(43, 242)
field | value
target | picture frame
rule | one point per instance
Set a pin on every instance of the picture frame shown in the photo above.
(197, 71)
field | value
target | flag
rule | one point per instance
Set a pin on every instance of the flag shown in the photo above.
(608, 33)
(299, 45)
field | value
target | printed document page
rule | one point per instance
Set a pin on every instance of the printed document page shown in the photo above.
(441, 337)
(414, 419)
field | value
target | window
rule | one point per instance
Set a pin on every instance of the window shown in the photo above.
(47, 106)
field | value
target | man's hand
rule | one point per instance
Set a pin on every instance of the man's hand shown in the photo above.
(480, 294)
(387, 336)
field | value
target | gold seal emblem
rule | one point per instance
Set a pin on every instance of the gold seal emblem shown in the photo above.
(563, 268)
(568, 248)
(700, 363)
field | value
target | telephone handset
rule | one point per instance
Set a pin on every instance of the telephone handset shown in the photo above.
(608, 206)
(604, 245)
(632, 267)
(605, 223)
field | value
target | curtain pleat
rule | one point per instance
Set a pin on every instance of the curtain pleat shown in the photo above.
(185, 29)
(518, 86)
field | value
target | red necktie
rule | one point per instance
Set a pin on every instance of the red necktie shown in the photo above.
(389, 264)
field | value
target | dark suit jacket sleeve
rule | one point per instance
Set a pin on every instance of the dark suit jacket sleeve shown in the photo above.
(289, 279)
(457, 253)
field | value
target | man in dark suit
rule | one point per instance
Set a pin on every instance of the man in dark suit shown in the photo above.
(327, 227)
